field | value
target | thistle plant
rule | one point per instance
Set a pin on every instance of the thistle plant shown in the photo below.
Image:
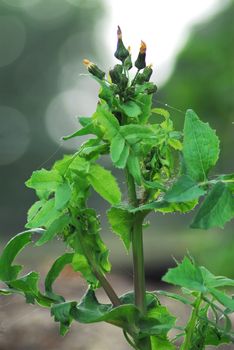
(166, 171)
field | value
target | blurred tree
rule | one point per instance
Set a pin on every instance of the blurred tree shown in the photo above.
(203, 79)
(28, 82)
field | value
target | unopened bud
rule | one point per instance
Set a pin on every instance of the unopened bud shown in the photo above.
(140, 62)
(115, 73)
(121, 52)
(151, 89)
(93, 69)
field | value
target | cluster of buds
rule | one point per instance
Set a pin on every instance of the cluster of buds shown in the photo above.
(118, 75)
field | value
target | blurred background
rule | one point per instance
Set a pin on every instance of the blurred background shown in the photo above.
(43, 88)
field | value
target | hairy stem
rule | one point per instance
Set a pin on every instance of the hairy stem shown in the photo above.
(187, 344)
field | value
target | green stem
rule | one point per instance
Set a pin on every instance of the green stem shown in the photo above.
(187, 344)
(137, 248)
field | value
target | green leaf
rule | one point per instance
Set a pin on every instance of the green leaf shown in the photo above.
(185, 189)
(131, 109)
(28, 284)
(44, 180)
(162, 344)
(174, 296)
(56, 227)
(62, 195)
(62, 314)
(11, 250)
(200, 147)
(45, 216)
(81, 264)
(117, 147)
(215, 337)
(121, 223)
(187, 275)
(86, 130)
(89, 310)
(223, 298)
(104, 183)
(107, 120)
(228, 179)
(161, 111)
(134, 167)
(134, 133)
(121, 163)
(212, 281)
(216, 209)
(145, 103)
(54, 272)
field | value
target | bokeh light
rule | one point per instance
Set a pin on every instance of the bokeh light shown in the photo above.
(12, 39)
(14, 135)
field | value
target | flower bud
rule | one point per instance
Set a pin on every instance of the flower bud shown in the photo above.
(140, 62)
(151, 89)
(115, 73)
(128, 61)
(93, 69)
(121, 52)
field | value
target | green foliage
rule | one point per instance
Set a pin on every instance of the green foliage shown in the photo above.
(166, 171)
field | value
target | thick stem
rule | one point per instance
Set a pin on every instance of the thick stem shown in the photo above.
(187, 344)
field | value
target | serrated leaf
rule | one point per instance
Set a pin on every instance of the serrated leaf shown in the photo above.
(62, 195)
(54, 272)
(131, 109)
(62, 314)
(117, 147)
(104, 183)
(200, 147)
(134, 133)
(45, 216)
(185, 189)
(121, 223)
(216, 209)
(56, 227)
(107, 120)
(212, 281)
(187, 275)
(44, 180)
(122, 161)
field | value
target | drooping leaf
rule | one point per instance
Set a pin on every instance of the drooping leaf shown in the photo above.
(185, 189)
(215, 337)
(145, 103)
(86, 130)
(104, 183)
(223, 298)
(161, 111)
(200, 147)
(62, 314)
(44, 180)
(56, 227)
(54, 272)
(216, 209)
(121, 222)
(187, 275)
(62, 195)
(212, 281)
(11, 250)
(174, 296)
